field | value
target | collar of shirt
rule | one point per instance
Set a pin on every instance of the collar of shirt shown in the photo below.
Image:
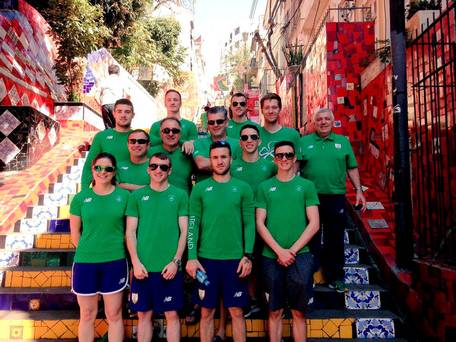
(329, 137)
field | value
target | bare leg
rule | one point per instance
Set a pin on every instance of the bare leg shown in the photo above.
(172, 326)
(299, 326)
(207, 324)
(275, 325)
(88, 313)
(113, 311)
(145, 327)
(238, 322)
(221, 331)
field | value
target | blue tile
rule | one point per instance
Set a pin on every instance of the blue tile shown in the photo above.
(375, 328)
(362, 300)
(59, 226)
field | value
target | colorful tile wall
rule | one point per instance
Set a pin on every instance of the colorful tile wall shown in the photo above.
(54, 241)
(37, 278)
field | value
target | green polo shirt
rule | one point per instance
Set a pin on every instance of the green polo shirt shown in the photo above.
(109, 141)
(128, 172)
(285, 204)
(253, 173)
(188, 132)
(233, 130)
(181, 166)
(268, 140)
(325, 162)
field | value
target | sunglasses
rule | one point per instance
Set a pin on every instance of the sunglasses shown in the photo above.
(246, 137)
(171, 130)
(218, 122)
(138, 141)
(287, 155)
(163, 167)
(99, 168)
(242, 104)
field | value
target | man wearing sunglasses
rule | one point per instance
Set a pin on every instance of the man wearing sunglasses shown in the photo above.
(286, 219)
(238, 110)
(327, 159)
(157, 220)
(272, 131)
(173, 102)
(220, 242)
(170, 133)
(112, 140)
(132, 173)
(217, 120)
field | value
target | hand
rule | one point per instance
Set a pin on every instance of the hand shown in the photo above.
(139, 270)
(244, 267)
(187, 147)
(170, 270)
(360, 199)
(192, 266)
(286, 257)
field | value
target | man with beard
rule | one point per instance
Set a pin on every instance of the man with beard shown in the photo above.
(112, 140)
(220, 242)
(238, 110)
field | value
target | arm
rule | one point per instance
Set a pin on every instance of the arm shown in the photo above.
(129, 186)
(310, 230)
(170, 270)
(193, 231)
(202, 163)
(75, 229)
(154, 134)
(248, 219)
(139, 270)
(353, 174)
(285, 256)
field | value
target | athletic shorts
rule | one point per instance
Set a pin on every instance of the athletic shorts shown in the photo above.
(224, 281)
(89, 279)
(157, 294)
(288, 285)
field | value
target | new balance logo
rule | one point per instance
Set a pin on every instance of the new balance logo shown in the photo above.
(238, 294)
(109, 137)
(209, 188)
(145, 198)
(124, 167)
(273, 188)
(167, 299)
(88, 200)
(121, 281)
(239, 169)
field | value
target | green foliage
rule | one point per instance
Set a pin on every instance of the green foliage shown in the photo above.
(238, 62)
(293, 54)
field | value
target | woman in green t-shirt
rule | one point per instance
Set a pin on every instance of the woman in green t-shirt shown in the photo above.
(100, 265)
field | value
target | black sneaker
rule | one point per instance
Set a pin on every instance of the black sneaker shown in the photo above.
(253, 308)
(339, 286)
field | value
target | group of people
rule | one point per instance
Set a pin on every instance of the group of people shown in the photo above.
(251, 215)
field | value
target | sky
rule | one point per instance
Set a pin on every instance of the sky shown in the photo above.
(215, 19)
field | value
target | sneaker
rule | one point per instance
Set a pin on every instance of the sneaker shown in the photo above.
(253, 308)
(339, 286)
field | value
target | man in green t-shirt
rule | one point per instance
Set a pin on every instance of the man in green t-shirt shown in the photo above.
(272, 131)
(220, 242)
(327, 158)
(170, 133)
(238, 111)
(287, 218)
(111, 140)
(173, 102)
(157, 219)
(132, 173)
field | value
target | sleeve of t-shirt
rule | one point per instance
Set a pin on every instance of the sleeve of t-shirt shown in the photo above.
(198, 149)
(297, 145)
(351, 159)
(95, 149)
(261, 197)
(194, 223)
(248, 219)
(311, 195)
(132, 206)
(75, 206)
(154, 134)
(192, 132)
(183, 204)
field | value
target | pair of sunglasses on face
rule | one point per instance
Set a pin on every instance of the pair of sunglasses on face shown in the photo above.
(286, 155)
(171, 130)
(246, 137)
(99, 168)
(242, 104)
(163, 167)
(218, 122)
(138, 141)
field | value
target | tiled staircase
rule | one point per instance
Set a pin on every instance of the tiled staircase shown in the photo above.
(36, 303)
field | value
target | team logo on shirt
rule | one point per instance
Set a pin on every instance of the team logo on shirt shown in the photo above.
(109, 137)
(267, 151)
(118, 199)
(124, 167)
(145, 198)
(266, 296)
(238, 294)
(171, 198)
(273, 188)
(239, 169)
(88, 200)
(134, 298)
(209, 188)
(201, 294)
(167, 299)
(310, 147)
(299, 188)
(234, 189)
(338, 146)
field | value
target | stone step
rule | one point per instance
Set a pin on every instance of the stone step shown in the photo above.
(36, 226)
(34, 299)
(48, 212)
(22, 241)
(26, 276)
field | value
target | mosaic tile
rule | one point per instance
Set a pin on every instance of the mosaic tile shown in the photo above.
(20, 279)
(351, 256)
(375, 328)
(356, 275)
(59, 226)
(44, 212)
(374, 206)
(55, 199)
(71, 177)
(346, 238)
(3, 92)
(64, 212)
(378, 223)
(9, 258)
(362, 300)
(65, 188)
(8, 122)
(33, 226)
(55, 241)
(8, 150)
(19, 241)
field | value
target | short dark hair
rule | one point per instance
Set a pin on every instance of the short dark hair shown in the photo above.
(124, 102)
(239, 94)
(250, 126)
(220, 144)
(113, 162)
(284, 143)
(271, 96)
(139, 130)
(173, 91)
(170, 119)
(218, 109)
(161, 156)
(113, 69)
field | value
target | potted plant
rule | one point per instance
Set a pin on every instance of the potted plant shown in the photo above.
(294, 56)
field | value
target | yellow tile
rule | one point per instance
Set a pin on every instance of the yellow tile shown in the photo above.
(59, 329)
(315, 333)
(16, 332)
(16, 279)
(318, 277)
(28, 332)
(39, 332)
(316, 324)
(8, 277)
(64, 212)
(26, 282)
(346, 331)
(101, 327)
(330, 329)
(286, 330)
(41, 279)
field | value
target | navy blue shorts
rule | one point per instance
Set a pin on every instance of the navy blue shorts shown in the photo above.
(223, 281)
(157, 294)
(290, 285)
(104, 278)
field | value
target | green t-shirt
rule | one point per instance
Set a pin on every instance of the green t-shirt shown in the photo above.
(285, 204)
(233, 130)
(103, 225)
(181, 167)
(188, 132)
(221, 220)
(268, 140)
(158, 224)
(109, 141)
(325, 162)
(128, 172)
(253, 173)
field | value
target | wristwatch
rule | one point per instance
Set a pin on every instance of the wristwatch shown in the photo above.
(249, 256)
(177, 261)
